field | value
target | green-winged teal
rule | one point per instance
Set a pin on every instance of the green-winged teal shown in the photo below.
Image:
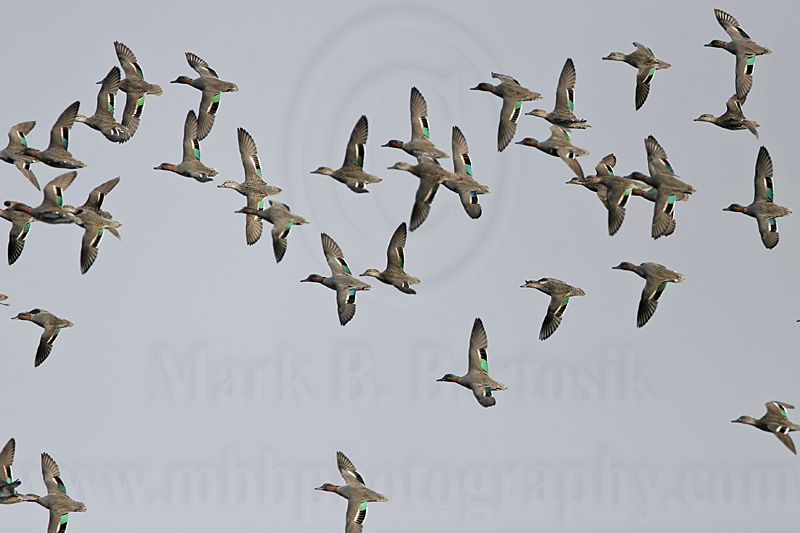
(341, 280)
(477, 377)
(52, 209)
(20, 226)
(656, 278)
(613, 191)
(355, 492)
(646, 64)
(211, 86)
(667, 185)
(562, 114)
(94, 222)
(351, 173)
(559, 293)
(775, 421)
(14, 152)
(134, 86)
(431, 175)
(744, 48)
(57, 154)
(466, 186)
(190, 166)
(254, 188)
(513, 95)
(420, 144)
(282, 220)
(559, 144)
(394, 274)
(763, 208)
(732, 119)
(103, 119)
(56, 500)
(52, 326)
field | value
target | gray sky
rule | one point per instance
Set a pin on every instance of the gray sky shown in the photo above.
(203, 387)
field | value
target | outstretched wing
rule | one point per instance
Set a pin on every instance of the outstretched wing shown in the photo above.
(357, 144)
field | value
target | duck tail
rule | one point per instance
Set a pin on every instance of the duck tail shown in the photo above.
(156, 90)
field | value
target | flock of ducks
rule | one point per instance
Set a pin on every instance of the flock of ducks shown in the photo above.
(661, 186)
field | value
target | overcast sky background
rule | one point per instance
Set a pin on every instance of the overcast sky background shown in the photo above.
(204, 389)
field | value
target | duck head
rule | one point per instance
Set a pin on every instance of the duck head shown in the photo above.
(483, 86)
(534, 283)
(247, 211)
(165, 166)
(327, 487)
(576, 181)
(183, 79)
(528, 141)
(615, 56)
(228, 184)
(313, 278)
(23, 316)
(735, 207)
(716, 43)
(371, 272)
(537, 113)
(401, 165)
(394, 143)
(449, 377)
(706, 117)
(325, 171)
(744, 419)
(625, 265)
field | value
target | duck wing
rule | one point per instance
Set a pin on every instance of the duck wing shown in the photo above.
(52, 476)
(462, 162)
(209, 104)
(346, 304)
(98, 194)
(509, 115)
(657, 161)
(768, 228)
(745, 65)
(106, 97)
(54, 190)
(778, 409)
(764, 187)
(59, 133)
(355, 516)
(663, 218)
(200, 66)
(558, 304)
(191, 144)
(46, 341)
(478, 345)
(426, 191)
(419, 116)
(565, 91)
(649, 301)
(92, 233)
(483, 395)
(643, 78)
(6, 460)
(348, 470)
(16, 239)
(395, 255)
(334, 257)
(731, 26)
(357, 144)
(569, 156)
